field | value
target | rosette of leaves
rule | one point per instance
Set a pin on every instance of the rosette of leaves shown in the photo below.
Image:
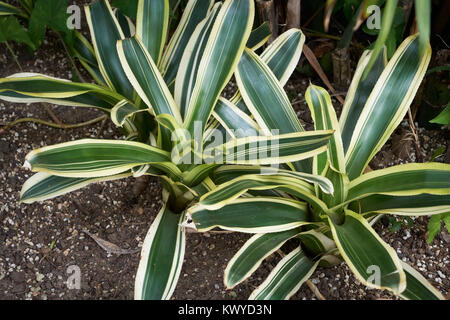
(162, 96)
(331, 220)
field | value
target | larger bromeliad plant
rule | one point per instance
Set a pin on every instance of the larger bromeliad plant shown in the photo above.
(332, 219)
(168, 104)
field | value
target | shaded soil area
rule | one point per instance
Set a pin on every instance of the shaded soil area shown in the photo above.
(40, 243)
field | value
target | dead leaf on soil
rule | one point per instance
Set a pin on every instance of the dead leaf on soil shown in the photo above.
(110, 247)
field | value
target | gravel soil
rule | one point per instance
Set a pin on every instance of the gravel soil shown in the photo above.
(40, 242)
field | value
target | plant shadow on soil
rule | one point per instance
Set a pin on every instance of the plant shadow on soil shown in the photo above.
(29, 269)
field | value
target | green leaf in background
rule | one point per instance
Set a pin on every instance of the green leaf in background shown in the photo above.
(423, 17)
(386, 24)
(434, 225)
(443, 117)
(10, 29)
(128, 7)
(48, 13)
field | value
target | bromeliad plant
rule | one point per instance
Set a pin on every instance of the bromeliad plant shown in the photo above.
(331, 218)
(163, 100)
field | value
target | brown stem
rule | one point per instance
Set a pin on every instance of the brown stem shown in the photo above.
(315, 290)
(416, 136)
(293, 14)
(51, 124)
(267, 12)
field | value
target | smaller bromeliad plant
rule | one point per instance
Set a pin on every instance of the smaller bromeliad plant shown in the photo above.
(168, 104)
(332, 214)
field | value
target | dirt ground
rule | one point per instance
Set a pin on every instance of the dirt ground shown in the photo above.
(40, 242)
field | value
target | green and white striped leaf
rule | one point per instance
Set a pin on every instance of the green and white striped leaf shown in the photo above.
(194, 13)
(122, 111)
(126, 24)
(236, 122)
(105, 32)
(417, 287)
(7, 9)
(251, 215)
(340, 182)
(282, 57)
(84, 52)
(152, 23)
(198, 174)
(93, 158)
(316, 241)
(252, 253)
(229, 191)
(286, 278)
(262, 91)
(387, 104)
(189, 64)
(259, 36)
(372, 261)
(264, 150)
(324, 117)
(226, 173)
(145, 77)
(161, 257)
(403, 180)
(416, 205)
(43, 186)
(32, 87)
(358, 93)
(225, 45)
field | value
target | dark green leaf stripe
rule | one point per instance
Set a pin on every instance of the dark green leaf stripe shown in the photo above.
(151, 25)
(417, 287)
(93, 158)
(252, 215)
(386, 105)
(373, 262)
(259, 36)
(161, 257)
(359, 91)
(287, 277)
(43, 186)
(223, 50)
(105, 32)
(252, 253)
(194, 13)
(126, 25)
